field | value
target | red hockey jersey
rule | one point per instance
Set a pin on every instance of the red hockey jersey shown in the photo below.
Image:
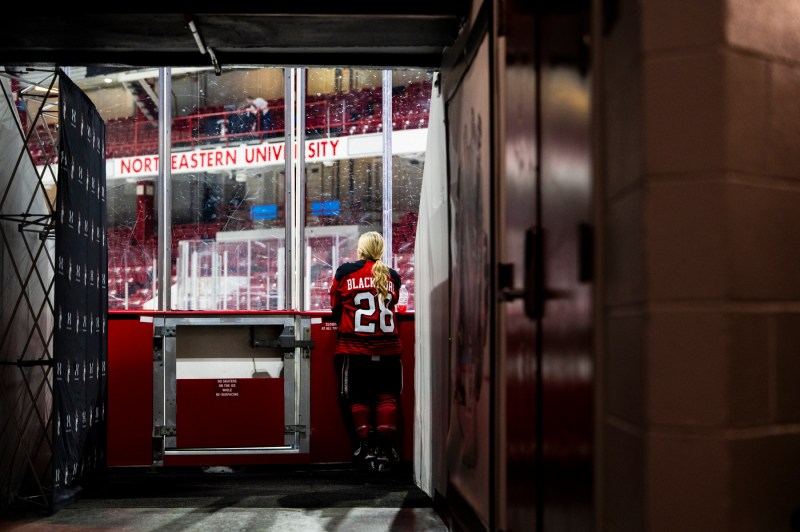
(367, 325)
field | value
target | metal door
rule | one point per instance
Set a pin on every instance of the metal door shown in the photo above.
(544, 381)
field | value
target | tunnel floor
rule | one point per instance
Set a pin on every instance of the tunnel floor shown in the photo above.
(240, 498)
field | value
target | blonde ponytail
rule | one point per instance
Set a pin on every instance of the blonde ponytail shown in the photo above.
(370, 247)
(380, 278)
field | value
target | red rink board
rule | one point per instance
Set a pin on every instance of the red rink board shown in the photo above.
(330, 441)
(130, 391)
(258, 418)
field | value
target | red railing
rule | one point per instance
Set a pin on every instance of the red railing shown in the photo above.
(353, 113)
(235, 127)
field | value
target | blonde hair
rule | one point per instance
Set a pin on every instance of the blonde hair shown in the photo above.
(370, 247)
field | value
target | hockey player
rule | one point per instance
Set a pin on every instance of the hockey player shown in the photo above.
(368, 349)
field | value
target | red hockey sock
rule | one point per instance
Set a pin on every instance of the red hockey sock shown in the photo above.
(387, 414)
(361, 419)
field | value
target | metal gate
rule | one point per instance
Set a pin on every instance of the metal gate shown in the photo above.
(230, 385)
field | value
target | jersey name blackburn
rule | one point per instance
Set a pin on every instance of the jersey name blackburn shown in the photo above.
(367, 322)
(367, 282)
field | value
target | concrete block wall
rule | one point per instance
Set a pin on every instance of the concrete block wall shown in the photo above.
(700, 426)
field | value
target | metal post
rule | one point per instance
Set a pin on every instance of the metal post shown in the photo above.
(387, 166)
(225, 285)
(300, 188)
(164, 188)
(288, 201)
(249, 271)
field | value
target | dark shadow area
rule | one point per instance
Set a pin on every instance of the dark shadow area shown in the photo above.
(335, 486)
(313, 497)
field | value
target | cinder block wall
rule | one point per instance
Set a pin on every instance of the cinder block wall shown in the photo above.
(700, 426)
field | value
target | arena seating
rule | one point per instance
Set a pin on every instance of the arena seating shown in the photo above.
(353, 113)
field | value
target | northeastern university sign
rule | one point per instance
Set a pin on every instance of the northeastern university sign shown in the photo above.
(227, 158)
(267, 154)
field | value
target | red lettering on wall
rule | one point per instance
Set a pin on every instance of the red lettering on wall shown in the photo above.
(138, 165)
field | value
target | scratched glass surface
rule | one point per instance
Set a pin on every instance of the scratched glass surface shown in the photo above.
(344, 192)
(127, 102)
(228, 182)
(228, 190)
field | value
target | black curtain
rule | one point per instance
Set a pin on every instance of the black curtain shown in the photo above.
(80, 395)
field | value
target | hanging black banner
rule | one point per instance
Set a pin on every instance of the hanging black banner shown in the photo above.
(81, 296)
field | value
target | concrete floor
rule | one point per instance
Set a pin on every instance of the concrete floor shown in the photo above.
(243, 499)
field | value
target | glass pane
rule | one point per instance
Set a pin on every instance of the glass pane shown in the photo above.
(227, 165)
(228, 190)
(411, 99)
(228, 179)
(344, 169)
(343, 190)
(125, 100)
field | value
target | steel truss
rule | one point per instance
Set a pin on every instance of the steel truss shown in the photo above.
(27, 266)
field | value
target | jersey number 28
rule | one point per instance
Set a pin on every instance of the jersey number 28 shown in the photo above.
(385, 320)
